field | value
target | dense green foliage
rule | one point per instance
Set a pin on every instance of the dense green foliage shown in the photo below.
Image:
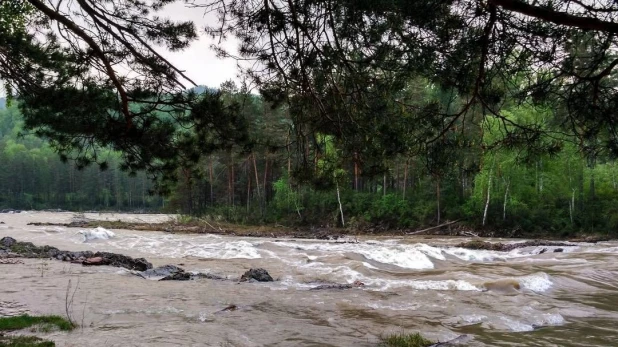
(561, 193)
(32, 176)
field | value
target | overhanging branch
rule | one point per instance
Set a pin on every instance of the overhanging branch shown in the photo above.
(556, 17)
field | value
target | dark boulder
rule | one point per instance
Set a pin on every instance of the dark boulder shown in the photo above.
(165, 273)
(558, 250)
(355, 284)
(119, 260)
(8, 242)
(259, 275)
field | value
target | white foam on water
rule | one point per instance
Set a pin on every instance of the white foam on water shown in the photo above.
(400, 307)
(539, 282)
(453, 285)
(551, 319)
(475, 255)
(97, 233)
(473, 318)
(417, 256)
(203, 246)
(489, 256)
(224, 250)
(369, 266)
(516, 326)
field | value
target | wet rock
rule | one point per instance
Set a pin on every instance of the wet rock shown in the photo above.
(8, 241)
(462, 340)
(228, 308)
(209, 276)
(558, 250)
(502, 247)
(94, 261)
(355, 284)
(165, 273)
(119, 260)
(259, 275)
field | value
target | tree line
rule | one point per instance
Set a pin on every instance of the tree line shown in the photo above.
(466, 178)
(32, 176)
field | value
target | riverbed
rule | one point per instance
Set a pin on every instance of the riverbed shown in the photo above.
(411, 284)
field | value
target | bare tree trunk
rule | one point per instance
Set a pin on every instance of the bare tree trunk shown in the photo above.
(355, 171)
(265, 178)
(212, 195)
(488, 195)
(572, 205)
(340, 206)
(405, 177)
(257, 182)
(438, 196)
(506, 193)
(248, 192)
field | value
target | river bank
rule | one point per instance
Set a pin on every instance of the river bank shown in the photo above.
(190, 225)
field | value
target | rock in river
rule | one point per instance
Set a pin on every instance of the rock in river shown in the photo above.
(165, 273)
(259, 275)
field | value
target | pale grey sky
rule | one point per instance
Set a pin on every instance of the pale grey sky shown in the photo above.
(199, 61)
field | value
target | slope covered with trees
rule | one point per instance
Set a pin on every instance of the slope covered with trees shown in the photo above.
(32, 176)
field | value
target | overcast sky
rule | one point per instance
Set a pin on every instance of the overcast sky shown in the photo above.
(199, 61)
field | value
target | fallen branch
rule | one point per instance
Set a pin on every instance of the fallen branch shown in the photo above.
(432, 228)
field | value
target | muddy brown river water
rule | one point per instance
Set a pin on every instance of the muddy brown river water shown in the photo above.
(411, 284)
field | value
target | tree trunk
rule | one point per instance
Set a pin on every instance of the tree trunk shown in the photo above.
(506, 193)
(340, 206)
(488, 196)
(438, 196)
(355, 171)
(212, 196)
(257, 183)
(405, 178)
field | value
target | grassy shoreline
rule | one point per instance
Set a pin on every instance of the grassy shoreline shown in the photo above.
(36, 324)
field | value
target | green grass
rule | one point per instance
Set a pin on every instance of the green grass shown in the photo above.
(405, 340)
(24, 341)
(46, 323)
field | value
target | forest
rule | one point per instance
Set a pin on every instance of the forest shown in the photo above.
(479, 181)
(500, 115)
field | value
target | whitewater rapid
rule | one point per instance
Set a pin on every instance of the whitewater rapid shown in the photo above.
(411, 283)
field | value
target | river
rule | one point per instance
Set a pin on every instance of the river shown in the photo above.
(412, 284)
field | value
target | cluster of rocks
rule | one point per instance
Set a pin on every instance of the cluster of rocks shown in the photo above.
(11, 248)
(8, 210)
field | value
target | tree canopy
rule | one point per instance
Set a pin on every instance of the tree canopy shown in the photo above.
(89, 76)
(348, 68)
